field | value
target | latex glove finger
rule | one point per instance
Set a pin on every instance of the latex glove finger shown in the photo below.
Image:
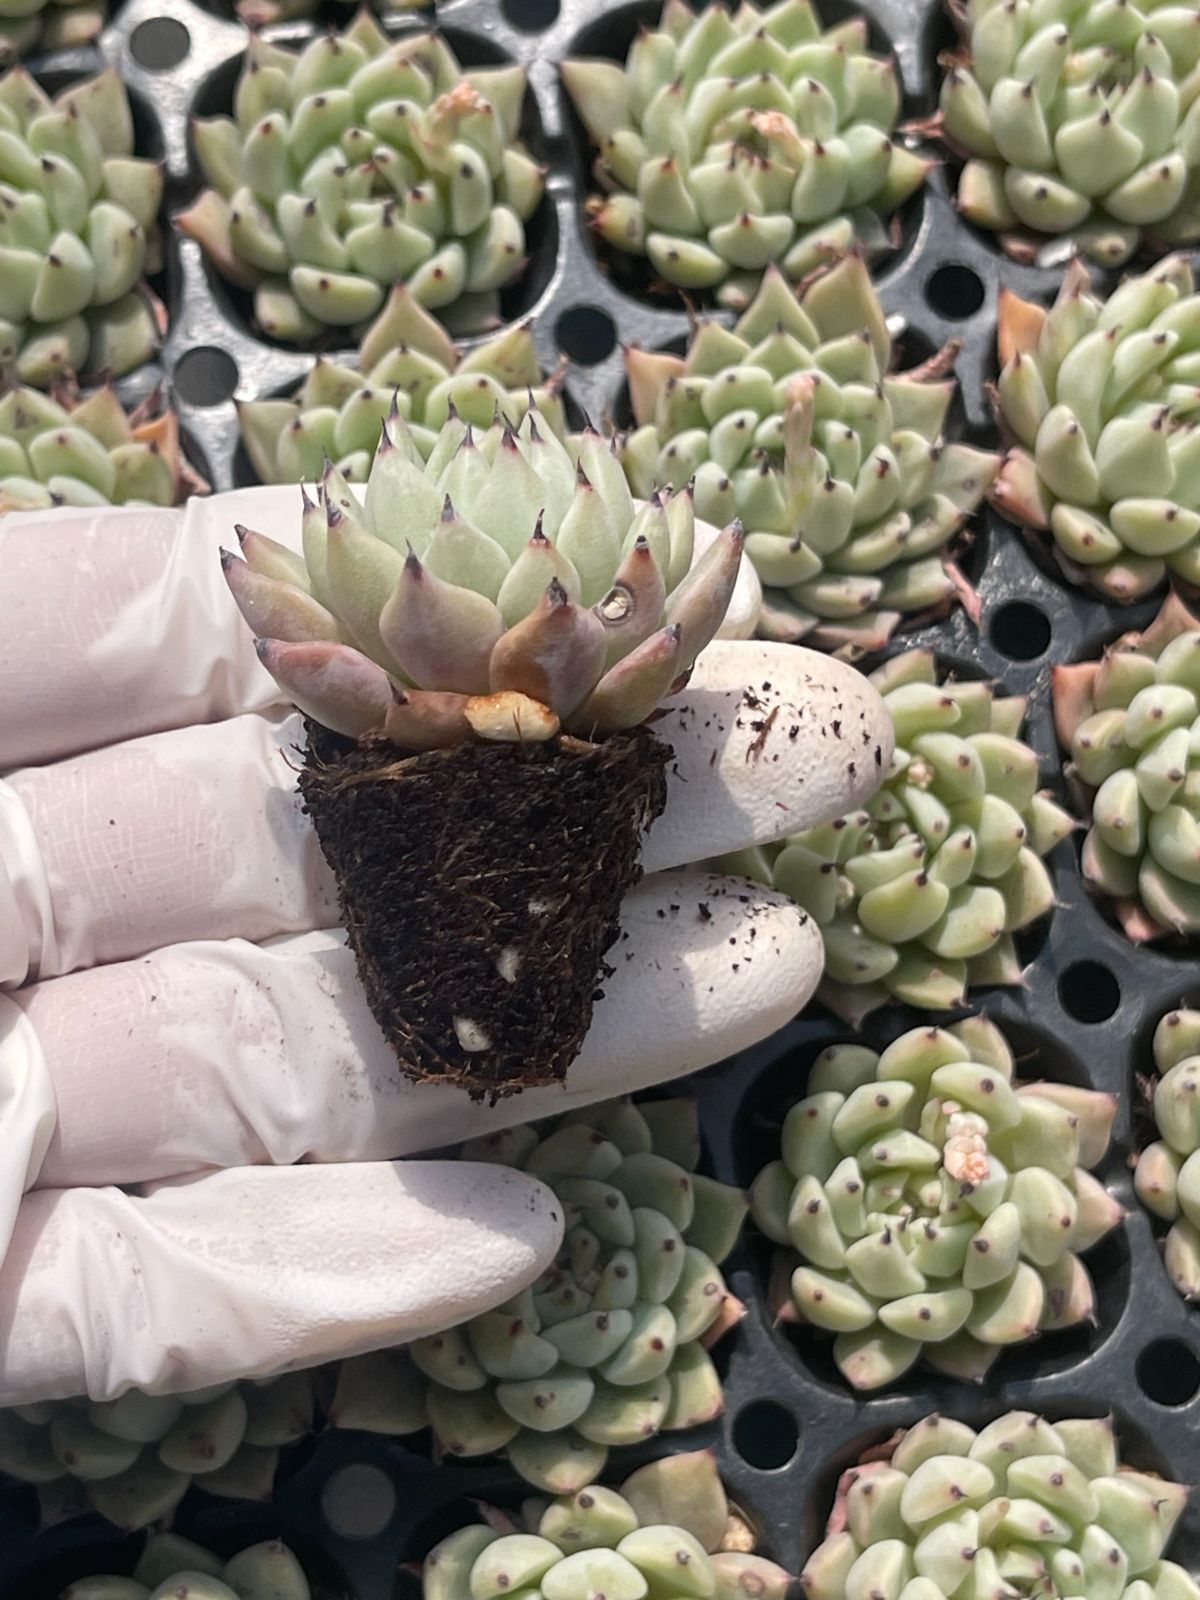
(198, 833)
(224, 1053)
(239, 1274)
(116, 621)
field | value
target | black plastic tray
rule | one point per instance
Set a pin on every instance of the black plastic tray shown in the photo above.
(1086, 1013)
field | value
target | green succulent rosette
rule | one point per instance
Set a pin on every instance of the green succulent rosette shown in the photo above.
(133, 1459)
(75, 449)
(27, 25)
(1167, 1176)
(1080, 124)
(1023, 1506)
(793, 421)
(938, 1207)
(1101, 400)
(173, 1568)
(918, 895)
(1129, 724)
(731, 139)
(669, 1528)
(78, 213)
(360, 162)
(609, 1346)
(262, 13)
(406, 360)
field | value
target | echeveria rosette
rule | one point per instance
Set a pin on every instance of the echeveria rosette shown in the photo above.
(406, 358)
(27, 25)
(1167, 1176)
(1023, 1506)
(938, 1208)
(1130, 725)
(837, 467)
(78, 214)
(133, 1459)
(76, 449)
(495, 588)
(171, 1566)
(1100, 398)
(608, 1347)
(919, 894)
(729, 140)
(669, 1528)
(360, 162)
(1080, 124)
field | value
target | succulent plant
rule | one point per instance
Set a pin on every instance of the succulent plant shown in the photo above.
(1079, 123)
(133, 1459)
(77, 229)
(1100, 399)
(405, 355)
(919, 894)
(360, 162)
(1024, 1506)
(173, 1568)
(938, 1207)
(608, 1347)
(1167, 1176)
(836, 467)
(67, 448)
(261, 13)
(48, 24)
(1129, 724)
(670, 1529)
(730, 139)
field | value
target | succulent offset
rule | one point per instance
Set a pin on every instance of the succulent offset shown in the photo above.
(78, 214)
(133, 1459)
(405, 356)
(1024, 1506)
(65, 448)
(1080, 123)
(493, 566)
(608, 1347)
(938, 1207)
(919, 894)
(173, 1568)
(360, 162)
(1101, 399)
(1167, 1176)
(837, 467)
(1129, 723)
(48, 24)
(670, 1529)
(731, 139)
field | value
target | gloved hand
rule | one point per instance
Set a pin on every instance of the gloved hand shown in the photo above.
(184, 1016)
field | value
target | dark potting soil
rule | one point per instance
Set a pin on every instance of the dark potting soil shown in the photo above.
(480, 888)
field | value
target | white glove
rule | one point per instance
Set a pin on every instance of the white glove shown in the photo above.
(184, 1012)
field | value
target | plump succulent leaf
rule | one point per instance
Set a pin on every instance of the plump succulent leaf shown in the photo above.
(1167, 1177)
(359, 162)
(919, 894)
(78, 227)
(1099, 400)
(837, 467)
(406, 359)
(170, 1566)
(27, 25)
(494, 585)
(134, 1458)
(1078, 125)
(1127, 724)
(1024, 1506)
(932, 1208)
(609, 1346)
(734, 138)
(72, 448)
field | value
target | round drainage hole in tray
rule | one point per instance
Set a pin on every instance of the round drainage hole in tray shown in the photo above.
(765, 1435)
(1168, 1372)
(1019, 630)
(954, 291)
(1089, 992)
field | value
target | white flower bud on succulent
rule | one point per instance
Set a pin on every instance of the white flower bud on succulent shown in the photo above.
(838, 469)
(360, 162)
